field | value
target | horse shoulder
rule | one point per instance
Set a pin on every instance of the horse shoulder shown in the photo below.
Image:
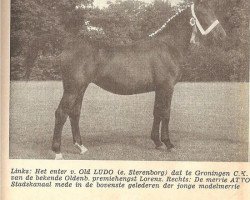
(167, 65)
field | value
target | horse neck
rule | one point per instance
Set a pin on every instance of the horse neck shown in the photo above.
(178, 31)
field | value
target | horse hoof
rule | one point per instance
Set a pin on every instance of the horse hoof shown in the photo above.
(168, 144)
(157, 143)
(158, 147)
(82, 148)
(170, 147)
(59, 156)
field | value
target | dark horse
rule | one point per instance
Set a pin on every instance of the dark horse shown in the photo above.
(148, 65)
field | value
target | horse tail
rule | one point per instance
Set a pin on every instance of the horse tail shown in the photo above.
(36, 45)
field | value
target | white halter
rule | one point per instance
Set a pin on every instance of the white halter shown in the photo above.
(197, 23)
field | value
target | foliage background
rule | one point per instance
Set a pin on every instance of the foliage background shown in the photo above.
(38, 22)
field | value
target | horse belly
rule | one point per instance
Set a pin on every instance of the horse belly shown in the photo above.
(126, 75)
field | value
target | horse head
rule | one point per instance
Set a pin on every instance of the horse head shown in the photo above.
(205, 23)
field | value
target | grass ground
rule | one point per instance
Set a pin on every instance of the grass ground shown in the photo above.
(209, 122)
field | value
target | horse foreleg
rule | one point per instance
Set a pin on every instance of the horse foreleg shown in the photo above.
(155, 135)
(167, 98)
(162, 106)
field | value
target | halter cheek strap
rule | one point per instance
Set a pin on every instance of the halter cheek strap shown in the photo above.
(194, 32)
(197, 23)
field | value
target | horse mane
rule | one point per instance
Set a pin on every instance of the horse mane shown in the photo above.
(169, 21)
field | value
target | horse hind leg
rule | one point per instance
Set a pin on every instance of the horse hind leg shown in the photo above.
(64, 109)
(74, 117)
(165, 138)
(60, 119)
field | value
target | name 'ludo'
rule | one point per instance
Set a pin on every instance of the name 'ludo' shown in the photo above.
(103, 171)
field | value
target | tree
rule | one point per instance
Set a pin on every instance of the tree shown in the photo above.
(33, 22)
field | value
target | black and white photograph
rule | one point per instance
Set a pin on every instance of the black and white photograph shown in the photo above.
(130, 80)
